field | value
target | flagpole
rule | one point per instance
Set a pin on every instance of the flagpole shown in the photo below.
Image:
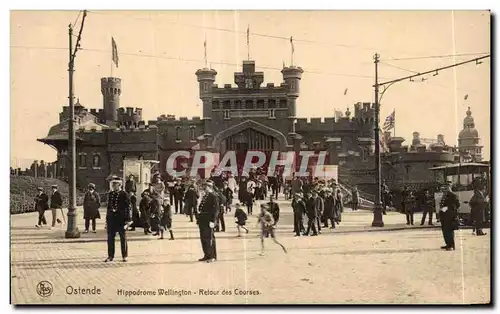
(394, 122)
(111, 59)
(248, 43)
(291, 42)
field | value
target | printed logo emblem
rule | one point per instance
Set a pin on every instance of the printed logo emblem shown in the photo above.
(44, 289)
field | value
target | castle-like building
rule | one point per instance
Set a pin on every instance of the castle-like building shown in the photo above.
(247, 116)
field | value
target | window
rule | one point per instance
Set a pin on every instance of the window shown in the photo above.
(177, 133)
(82, 160)
(226, 114)
(215, 105)
(365, 154)
(237, 104)
(96, 161)
(272, 114)
(292, 86)
(226, 105)
(192, 133)
(260, 104)
(283, 103)
(249, 104)
(272, 103)
(205, 86)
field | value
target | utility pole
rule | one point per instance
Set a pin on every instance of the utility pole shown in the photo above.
(72, 228)
(377, 208)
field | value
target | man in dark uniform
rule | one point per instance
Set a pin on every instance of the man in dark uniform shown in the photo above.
(478, 204)
(427, 202)
(178, 196)
(118, 215)
(207, 216)
(312, 215)
(273, 183)
(220, 224)
(41, 205)
(191, 200)
(449, 216)
(299, 208)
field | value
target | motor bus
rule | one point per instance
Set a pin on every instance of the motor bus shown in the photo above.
(462, 177)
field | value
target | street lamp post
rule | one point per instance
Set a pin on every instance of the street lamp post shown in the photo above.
(72, 228)
(377, 208)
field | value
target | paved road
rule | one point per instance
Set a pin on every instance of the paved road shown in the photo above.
(353, 264)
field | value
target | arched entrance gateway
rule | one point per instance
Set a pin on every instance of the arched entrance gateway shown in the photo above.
(249, 136)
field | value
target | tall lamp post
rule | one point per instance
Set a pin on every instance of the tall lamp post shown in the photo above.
(377, 208)
(72, 228)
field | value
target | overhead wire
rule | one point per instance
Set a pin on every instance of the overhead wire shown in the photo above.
(191, 60)
(323, 44)
(427, 81)
(437, 57)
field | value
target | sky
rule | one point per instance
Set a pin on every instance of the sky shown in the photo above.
(160, 51)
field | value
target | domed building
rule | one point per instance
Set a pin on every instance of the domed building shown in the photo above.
(468, 141)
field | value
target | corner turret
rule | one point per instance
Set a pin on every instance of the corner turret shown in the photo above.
(111, 91)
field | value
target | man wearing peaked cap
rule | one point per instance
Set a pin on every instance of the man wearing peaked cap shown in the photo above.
(117, 217)
(207, 216)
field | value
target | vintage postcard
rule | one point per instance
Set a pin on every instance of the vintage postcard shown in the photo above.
(250, 157)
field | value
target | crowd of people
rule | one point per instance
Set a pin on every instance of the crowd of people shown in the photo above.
(317, 204)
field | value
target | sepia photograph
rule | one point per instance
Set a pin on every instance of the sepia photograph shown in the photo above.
(250, 157)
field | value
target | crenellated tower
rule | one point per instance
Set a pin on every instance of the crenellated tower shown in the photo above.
(111, 91)
(292, 76)
(206, 80)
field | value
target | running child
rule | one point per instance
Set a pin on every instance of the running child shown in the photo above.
(267, 227)
(240, 218)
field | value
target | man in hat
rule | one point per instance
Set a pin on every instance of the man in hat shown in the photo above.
(91, 205)
(130, 185)
(478, 204)
(41, 205)
(299, 208)
(274, 209)
(449, 216)
(178, 196)
(144, 209)
(191, 200)
(207, 216)
(56, 203)
(119, 213)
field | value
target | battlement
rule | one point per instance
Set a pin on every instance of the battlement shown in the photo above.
(111, 86)
(229, 89)
(329, 124)
(182, 120)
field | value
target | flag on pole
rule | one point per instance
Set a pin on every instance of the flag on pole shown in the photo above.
(291, 43)
(466, 96)
(390, 121)
(248, 35)
(205, 51)
(115, 51)
(345, 92)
